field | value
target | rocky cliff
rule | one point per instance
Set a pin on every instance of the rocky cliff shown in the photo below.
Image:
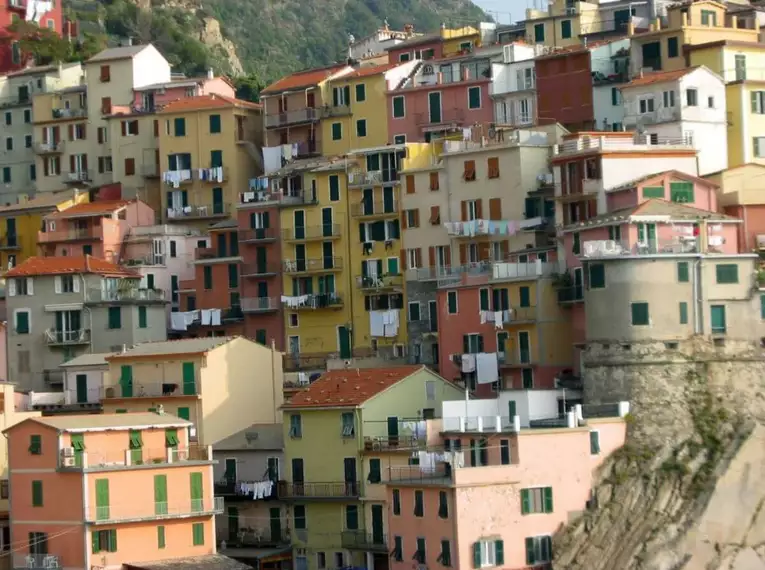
(687, 490)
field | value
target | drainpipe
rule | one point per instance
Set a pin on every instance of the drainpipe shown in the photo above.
(698, 326)
(273, 377)
(90, 313)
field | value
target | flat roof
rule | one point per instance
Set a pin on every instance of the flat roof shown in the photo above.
(97, 422)
(171, 347)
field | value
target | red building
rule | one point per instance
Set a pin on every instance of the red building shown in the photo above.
(47, 14)
(564, 89)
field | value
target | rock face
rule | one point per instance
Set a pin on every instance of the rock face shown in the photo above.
(687, 490)
(211, 36)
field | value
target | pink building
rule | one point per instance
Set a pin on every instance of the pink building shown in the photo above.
(441, 96)
(501, 495)
(151, 98)
(110, 490)
(96, 228)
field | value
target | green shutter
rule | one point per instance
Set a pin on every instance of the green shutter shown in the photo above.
(396, 502)
(499, 552)
(525, 501)
(727, 273)
(171, 438)
(653, 192)
(196, 492)
(418, 506)
(207, 275)
(476, 555)
(184, 414)
(565, 29)
(214, 123)
(95, 542)
(361, 127)
(160, 494)
(474, 98)
(180, 127)
(37, 493)
(443, 505)
(525, 296)
(717, 313)
(399, 108)
(576, 248)
(682, 272)
(375, 475)
(35, 444)
(451, 298)
(337, 131)
(160, 536)
(78, 444)
(22, 322)
(189, 379)
(112, 541)
(352, 517)
(361, 93)
(530, 558)
(597, 276)
(102, 499)
(594, 442)
(640, 314)
(484, 299)
(142, 320)
(334, 188)
(115, 317)
(681, 192)
(126, 381)
(683, 313)
(548, 497)
(762, 306)
(198, 534)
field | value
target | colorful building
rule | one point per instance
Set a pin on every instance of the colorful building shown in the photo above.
(110, 489)
(42, 14)
(446, 42)
(513, 86)
(739, 196)
(329, 485)
(562, 23)
(219, 384)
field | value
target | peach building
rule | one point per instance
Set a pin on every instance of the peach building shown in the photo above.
(111, 490)
(526, 480)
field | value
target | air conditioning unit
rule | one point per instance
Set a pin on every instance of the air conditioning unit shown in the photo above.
(67, 452)
(67, 462)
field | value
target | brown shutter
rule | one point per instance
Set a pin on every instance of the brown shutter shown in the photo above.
(123, 126)
(418, 257)
(448, 256)
(45, 136)
(106, 105)
(56, 135)
(479, 209)
(129, 166)
(417, 218)
(435, 215)
(463, 253)
(403, 220)
(483, 251)
(402, 254)
(504, 249)
(156, 128)
(84, 131)
(464, 206)
(410, 183)
(84, 161)
(100, 164)
(495, 208)
(432, 256)
(45, 167)
(100, 135)
(156, 158)
(71, 163)
(493, 164)
(136, 127)
(434, 180)
(70, 132)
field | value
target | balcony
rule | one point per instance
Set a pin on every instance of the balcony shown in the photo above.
(313, 302)
(72, 234)
(678, 245)
(142, 260)
(212, 175)
(35, 561)
(361, 540)
(77, 177)
(311, 233)
(372, 283)
(213, 253)
(134, 512)
(205, 212)
(254, 538)
(505, 271)
(119, 459)
(150, 170)
(385, 177)
(126, 296)
(375, 209)
(319, 265)
(292, 118)
(330, 111)
(448, 116)
(260, 304)
(638, 143)
(167, 389)
(253, 235)
(49, 147)
(242, 490)
(391, 443)
(54, 337)
(10, 243)
(570, 295)
(260, 269)
(335, 491)
(516, 358)
(305, 362)
(440, 475)
(69, 113)
(663, 115)
(176, 178)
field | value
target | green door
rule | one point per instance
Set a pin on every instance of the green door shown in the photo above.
(392, 430)
(126, 381)
(233, 524)
(78, 444)
(102, 499)
(651, 230)
(502, 346)
(344, 339)
(717, 313)
(524, 347)
(276, 524)
(299, 218)
(82, 388)
(434, 106)
(217, 200)
(196, 492)
(160, 494)
(189, 380)
(378, 537)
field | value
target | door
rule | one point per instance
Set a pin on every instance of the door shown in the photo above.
(82, 388)
(299, 219)
(275, 522)
(273, 469)
(160, 494)
(102, 499)
(392, 430)
(740, 76)
(217, 196)
(502, 338)
(717, 312)
(326, 222)
(230, 473)
(262, 290)
(10, 225)
(260, 260)
(344, 342)
(367, 201)
(327, 254)
(349, 476)
(524, 347)
(294, 344)
(378, 536)
(434, 107)
(298, 476)
(126, 381)
(197, 492)
(300, 262)
(233, 524)
(189, 379)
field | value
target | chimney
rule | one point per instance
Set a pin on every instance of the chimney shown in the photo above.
(210, 73)
(408, 29)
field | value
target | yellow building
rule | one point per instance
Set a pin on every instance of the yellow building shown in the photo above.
(208, 148)
(221, 385)
(341, 436)
(742, 67)
(701, 22)
(562, 23)
(19, 224)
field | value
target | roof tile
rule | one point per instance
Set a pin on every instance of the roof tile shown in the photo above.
(67, 265)
(202, 102)
(659, 77)
(351, 387)
(302, 79)
(90, 209)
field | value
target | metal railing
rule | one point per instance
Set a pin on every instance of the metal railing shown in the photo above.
(616, 248)
(292, 117)
(361, 540)
(259, 304)
(372, 177)
(36, 561)
(315, 301)
(311, 232)
(455, 115)
(332, 490)
(149, 259)
(151, 389)
(257, 234)
(125, 295)
(94, 232)
(120, 458)
(133, 511)
(202, 253)
(212, 174)
(68, 113)
(199, 212)
(242, 489)
(254, 537)
(301, 362)
(258, 269)
(49, 147)
(77, 176)
(639, 142)
(375, 208)
(374, 282)
(439, 473)
(662, 115)
(571, 294)
(319, 264)
(55, 336)
(390, 442)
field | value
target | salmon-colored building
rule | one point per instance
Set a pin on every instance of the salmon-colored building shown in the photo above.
(95, 228)
(494, 494)
(110, 490)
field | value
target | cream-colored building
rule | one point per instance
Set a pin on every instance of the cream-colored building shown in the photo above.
(18, 171)
(221, 385)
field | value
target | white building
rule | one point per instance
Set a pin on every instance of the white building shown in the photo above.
(687, 104)
(609, 64)
(84, 379)
(382, 39)
(513, 86)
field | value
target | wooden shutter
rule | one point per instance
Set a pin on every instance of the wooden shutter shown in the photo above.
(100, 136)
(129, 166)
(156, 128)
(418, 257)
(403, 220)
(100, 166)
(56, 135)
(402, 255)
(464, 206)
(483, 251)
(70, 132)
(45, 167)
(448, 256)
(434, 180)
(71, 163)
(410, 183)
(417, 218)
(45, 136)
(106, 105)
(136, 127)
(84, 131)
(504, 248)
(495, 208)
(479, 209)
(463, 253)
(432, 256)
(123, 127)
(84, 162)
(435, 215)
(493, 166)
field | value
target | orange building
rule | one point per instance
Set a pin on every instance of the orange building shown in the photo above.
(109, 490)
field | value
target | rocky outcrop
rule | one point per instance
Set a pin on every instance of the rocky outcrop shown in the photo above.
(687, 490)
(211, 36)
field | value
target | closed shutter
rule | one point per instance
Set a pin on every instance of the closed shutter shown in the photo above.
(160, 494)
(196, 489)
(548, 497)
(495, 209)
(102, 499)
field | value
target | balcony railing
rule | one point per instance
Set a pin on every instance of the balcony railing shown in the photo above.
(150, 259)
(212, 175)
(258, 234)
(260, 304)
(379, 282)
(663, 115)
(255, 537)
(49, 147)
(319, 491)
(242, 489)
(292, 117)
(133, 511)
(571, 294)
(10, 242)
(371, 178)
(294, 197)
(260, 269)
(75, 177)
(376, 208)
(312, 302)
(325, 231)
(155, 389)
(611, 248)
(638, 143)
(328, 263)
(207, 253)
(207, 211)
(361, 540)
(121, 458)
(73, 234)
(175, 178)
(455, 115)
(54, 337)
(299, 362)
(441, 473)
(126, 296)
(36, 561)
(390, 442)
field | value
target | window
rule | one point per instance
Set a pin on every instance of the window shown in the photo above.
(536, 500)
(711, 102)
(321, 560)
(597, 276)
(759, 146)
(179, 127)
(337, 131)
(539, 33)
(681, 192)
(419, 507)
(347, 425)
(708, 18)
(398, 549)
(673, 47)
(361, 93)
(727, 273)
(352, 517)
(37, 493)
(198, 534)
(758, 102)
(538, 549)
(525, 296)
(233, 276)
(594, 442)
(474, 97)
(683, 313)
(682, 272)
(488, 553)
(375, 471)
(160, 537)
(296, 426)
(616, 97)
(173, 249)
(35, 444)
(129, 128)
(22, 322)
(492, 164)
(443, 505)
(27, 116)
(412, 219)
(142, 318)
(115, 317)
(105, 541)
(445, 558)
(207, 277)
(6, 175)
(396, 502)
(27, 141)
(361, 128)
(419, 554)
(504, 450)
(576, 246)
(214, 124)
(668, 98)
(298, 513)
(129, 166)
(451, 302)
(399, 107)
(9, 143)
(646, 105)
(691, 97)
(105, 74)
(414, 311)
(640, 314)
(8, 118)
(565, 29)
(469, 171)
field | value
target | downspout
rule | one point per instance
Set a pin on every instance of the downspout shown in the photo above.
(698, 323)
(273, 377)
(90, 313)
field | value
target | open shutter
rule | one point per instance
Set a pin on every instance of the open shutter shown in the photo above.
(347, 94)
(403, 220)
(76, 284)
(483, 251)
(71, 163)
(95, 542)
(464, 206)
(123, 127)
(45, 167)
(530, 558)
(70, 132)
(435, 215)
(45, 136)
(463, 254)
(476, 555)
(479, 209)
(448, 256)
(525, 501)
(431, 256)
(499, 552)
(57, 284)
(100, 136)
(548, 499)
(495, 209)
(402, 256)
(417, 218)
(11, 287)
(84, 131)
(56, 135)
(85, 162)
(136, 127)
(30, 286)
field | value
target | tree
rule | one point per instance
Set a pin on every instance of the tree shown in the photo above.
(44, 45)
(248, 87)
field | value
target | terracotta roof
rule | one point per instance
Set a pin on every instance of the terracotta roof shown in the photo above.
(202, 102)
(659, 77)
(67, 265)
(86, 422)
(349, 388)
(303, 79)
(46, 200)
(90, 209)
(655, 175)
(370, 70)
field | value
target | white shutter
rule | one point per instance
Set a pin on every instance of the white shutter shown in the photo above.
(11, 287)
(57, 284)
(75, 284)
(30, 286)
